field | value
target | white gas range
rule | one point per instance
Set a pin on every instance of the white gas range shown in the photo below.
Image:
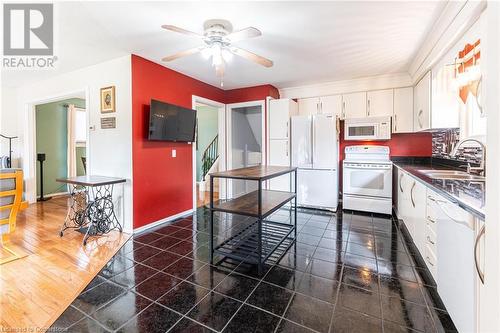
(367, 179)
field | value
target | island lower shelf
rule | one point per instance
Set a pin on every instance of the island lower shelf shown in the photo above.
(248, 204)
(244, 245)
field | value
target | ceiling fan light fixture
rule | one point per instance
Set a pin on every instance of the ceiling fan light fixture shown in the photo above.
(206, 53)
(216, 54)
(227, 55)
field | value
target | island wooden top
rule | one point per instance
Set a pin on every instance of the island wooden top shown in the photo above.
(248, 204)
(91, 181)
(260, 172)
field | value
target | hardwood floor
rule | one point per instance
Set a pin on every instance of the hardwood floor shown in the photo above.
(36, 289)
(203, 197)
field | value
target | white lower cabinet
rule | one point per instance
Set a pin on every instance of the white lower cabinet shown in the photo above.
(445, 236)
(456, 273)
(418, 203)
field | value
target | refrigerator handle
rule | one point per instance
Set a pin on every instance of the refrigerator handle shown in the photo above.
(312, 142)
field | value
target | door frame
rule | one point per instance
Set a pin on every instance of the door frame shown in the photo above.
(229, 108)
(30, 165)
(221, 124)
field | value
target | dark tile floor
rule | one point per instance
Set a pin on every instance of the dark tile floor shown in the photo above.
(348, 272)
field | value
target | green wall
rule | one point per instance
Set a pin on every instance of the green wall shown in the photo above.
(80, 152)
(207, 130)
(52, 139)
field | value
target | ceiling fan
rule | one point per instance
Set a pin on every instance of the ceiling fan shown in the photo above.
(218, 38)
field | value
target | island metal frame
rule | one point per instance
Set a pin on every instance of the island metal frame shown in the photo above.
(261, 240)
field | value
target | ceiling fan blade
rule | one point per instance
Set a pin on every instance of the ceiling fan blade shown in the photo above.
(182, 54)
(246, 33)
(252, 56)
(181, 30)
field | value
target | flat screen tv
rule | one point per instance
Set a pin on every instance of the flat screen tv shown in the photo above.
(168, 122)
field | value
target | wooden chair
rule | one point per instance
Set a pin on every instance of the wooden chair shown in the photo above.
(11, 193)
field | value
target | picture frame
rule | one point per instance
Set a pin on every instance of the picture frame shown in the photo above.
(108, 99)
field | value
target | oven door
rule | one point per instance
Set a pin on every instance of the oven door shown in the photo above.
(361, 131)
(367, 180)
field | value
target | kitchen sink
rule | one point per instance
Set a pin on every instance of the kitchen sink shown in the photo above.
(451, 174)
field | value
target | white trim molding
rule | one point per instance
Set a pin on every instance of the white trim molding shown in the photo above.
(164, 220)
(348, 86)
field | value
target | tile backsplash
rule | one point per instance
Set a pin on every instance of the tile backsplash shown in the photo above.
(443, 142)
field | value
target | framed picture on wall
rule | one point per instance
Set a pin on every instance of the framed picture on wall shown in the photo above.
(108, 99)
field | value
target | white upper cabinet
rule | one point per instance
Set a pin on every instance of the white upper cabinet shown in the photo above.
(331, 105)
(280, 111)
(422, 102)
(380, 103)
(308, 106)
(402, 120)
(321, 105)
(354, 105)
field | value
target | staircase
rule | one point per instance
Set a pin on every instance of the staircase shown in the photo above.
(209, 157)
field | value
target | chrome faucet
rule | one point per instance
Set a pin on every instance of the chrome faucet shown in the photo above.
(481, 168)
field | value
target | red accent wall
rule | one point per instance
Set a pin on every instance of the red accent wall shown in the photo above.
(251, 94)
(162, 185)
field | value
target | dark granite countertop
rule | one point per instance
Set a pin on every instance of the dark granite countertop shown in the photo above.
(469, 195)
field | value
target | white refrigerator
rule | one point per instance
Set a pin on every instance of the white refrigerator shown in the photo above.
(315, 154)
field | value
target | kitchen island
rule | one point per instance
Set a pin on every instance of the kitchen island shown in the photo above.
(262, 239)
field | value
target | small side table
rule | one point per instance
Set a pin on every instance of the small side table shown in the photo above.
(91, 210)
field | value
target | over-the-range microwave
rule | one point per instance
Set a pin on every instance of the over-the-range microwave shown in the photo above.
(369, 128)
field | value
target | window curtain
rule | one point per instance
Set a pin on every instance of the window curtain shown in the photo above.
(71, 141)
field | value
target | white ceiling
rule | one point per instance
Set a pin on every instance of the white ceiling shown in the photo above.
(309, 42)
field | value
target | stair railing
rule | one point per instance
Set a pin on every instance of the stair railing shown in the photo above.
(209, 156)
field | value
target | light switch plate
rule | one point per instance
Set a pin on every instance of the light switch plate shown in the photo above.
(174, 153)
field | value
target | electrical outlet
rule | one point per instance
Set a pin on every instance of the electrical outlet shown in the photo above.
(174, 153)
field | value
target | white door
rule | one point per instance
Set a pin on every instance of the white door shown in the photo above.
(331, 105)
(354, 105)
(402, 121)
(317, 188)
(302, 141)
(456, 282)
(324, 142)
(279, 155)
(418, 203)
(380, 103)
(279, 117)
(421, 116)
(308, 106)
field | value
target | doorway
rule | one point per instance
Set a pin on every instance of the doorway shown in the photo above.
(60, 143)
(246, 142)
(208, 150)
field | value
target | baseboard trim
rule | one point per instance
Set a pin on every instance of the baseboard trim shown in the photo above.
(166, 219)
(53, 195)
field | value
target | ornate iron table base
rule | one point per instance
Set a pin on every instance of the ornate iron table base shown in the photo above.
(91, 210)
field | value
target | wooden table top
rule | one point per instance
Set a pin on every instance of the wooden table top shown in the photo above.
(260, 172)
(90, 180)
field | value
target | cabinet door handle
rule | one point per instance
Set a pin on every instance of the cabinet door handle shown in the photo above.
(321, 107)
(476, 262)
(430, 220)
(343, 109)
(287, 129)
(286, 150)
(400, 179)
(430, 241)
(395, 123)
(419, 118)
(429, 261)
(368, 107)
(411, 194)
